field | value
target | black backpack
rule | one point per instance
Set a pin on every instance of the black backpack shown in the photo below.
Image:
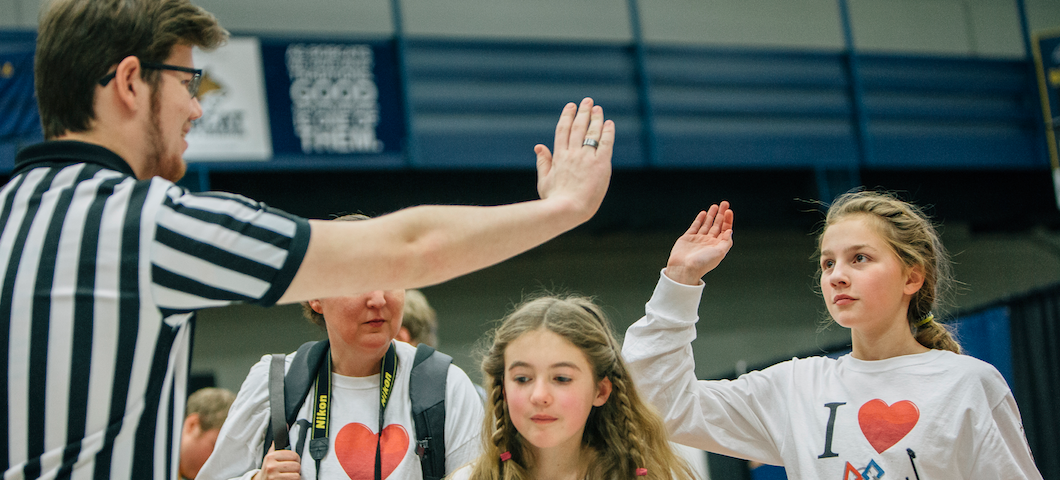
(426, 390)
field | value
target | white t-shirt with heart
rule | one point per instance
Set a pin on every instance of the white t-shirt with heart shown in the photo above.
(352, 429)
(946, 415)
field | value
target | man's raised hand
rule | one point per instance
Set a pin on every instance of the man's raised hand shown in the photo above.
(577, 172)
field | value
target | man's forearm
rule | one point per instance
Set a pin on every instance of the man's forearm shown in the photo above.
(423, 245)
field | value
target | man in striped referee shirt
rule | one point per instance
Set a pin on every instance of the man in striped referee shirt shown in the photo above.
(103, 260)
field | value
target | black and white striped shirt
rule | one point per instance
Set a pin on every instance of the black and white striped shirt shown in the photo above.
(100, 274)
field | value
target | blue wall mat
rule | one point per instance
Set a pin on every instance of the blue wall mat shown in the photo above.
(768, 472)
(484, 105)
(985, 335)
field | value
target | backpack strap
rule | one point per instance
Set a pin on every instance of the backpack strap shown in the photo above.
(296, 384)
(427, 392)
(277, 424)
(299, 379)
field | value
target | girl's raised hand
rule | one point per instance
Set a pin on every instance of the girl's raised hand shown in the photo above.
(702, 247)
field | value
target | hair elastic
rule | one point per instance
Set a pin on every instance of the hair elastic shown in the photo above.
(642, 472)
(506, 456)
(926, 320)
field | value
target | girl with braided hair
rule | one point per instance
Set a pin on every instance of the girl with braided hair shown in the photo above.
(903, 404)
(561, 404)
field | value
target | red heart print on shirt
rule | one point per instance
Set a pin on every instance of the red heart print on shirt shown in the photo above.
(355, 450)
(884, 425)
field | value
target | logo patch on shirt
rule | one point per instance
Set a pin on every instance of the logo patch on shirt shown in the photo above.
(355, 450)
(885, 425)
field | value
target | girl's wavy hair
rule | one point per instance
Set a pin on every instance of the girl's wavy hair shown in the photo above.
(620, 436)
(913, 238)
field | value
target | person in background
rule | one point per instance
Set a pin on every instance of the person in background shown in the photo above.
(419, 324)
(206, 411)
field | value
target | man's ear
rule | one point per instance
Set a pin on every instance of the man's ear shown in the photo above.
(128, 84)
(191, 424)
(315, 305)
(404, 335)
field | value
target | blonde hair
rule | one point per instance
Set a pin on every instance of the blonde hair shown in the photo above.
(916, 242)
(211, 404)
(420, 319)
(620, 436)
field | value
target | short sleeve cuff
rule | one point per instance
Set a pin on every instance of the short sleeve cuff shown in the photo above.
(295, 255)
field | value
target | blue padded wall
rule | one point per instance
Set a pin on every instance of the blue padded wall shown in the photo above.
(484, 105)
(751, 109)
(480, 105)
(950, 113)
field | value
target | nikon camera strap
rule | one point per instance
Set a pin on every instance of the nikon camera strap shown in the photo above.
(318, 445)
(386, 385)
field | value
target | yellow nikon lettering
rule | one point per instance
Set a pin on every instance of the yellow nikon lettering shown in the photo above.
(322, 412)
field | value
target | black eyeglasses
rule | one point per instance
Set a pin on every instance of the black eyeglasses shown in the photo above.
(193, 85)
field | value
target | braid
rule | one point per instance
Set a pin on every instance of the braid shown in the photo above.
(647, 451)
(625, 412)
(496, 438)
(632, 433)
(500, 430)
(937, 336)
(636, 445)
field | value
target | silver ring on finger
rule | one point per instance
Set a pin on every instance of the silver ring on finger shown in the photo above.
(591, 142)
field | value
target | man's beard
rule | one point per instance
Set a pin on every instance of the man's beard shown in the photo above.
(172, 170)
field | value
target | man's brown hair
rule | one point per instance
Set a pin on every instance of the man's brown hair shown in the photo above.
(420, 319)
(79, 41)
(211, 404)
